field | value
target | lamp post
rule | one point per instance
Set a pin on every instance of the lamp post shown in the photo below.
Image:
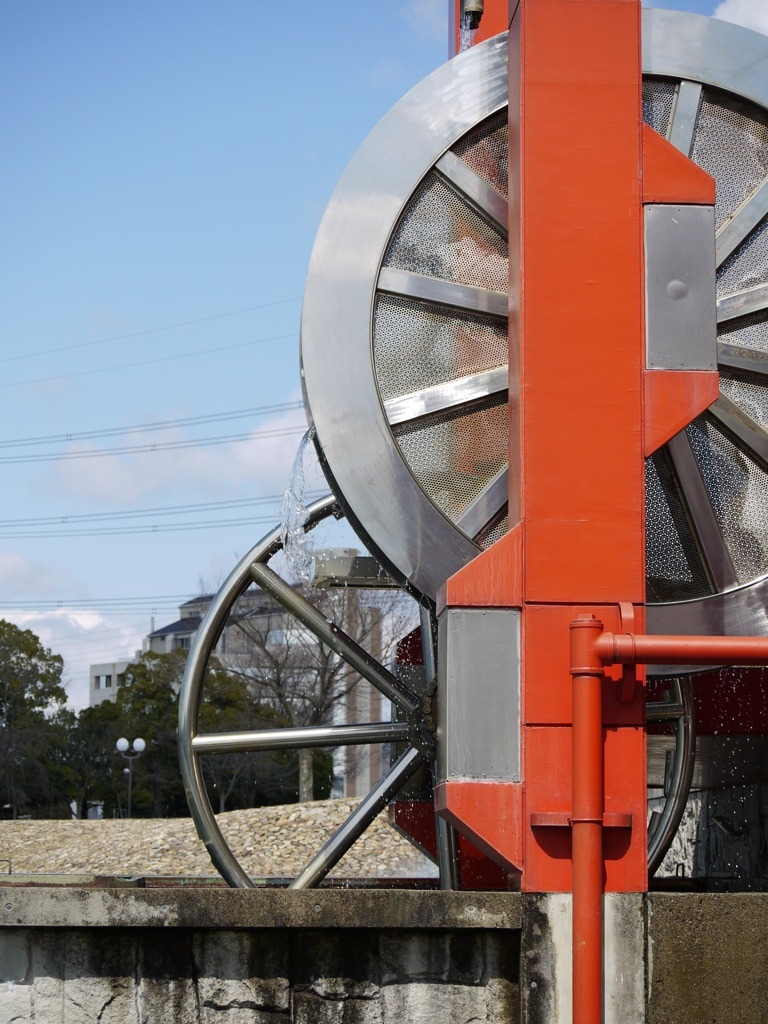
(122, 747)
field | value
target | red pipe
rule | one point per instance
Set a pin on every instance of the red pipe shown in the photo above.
(591, 650)
(629, 649)
(587, 820)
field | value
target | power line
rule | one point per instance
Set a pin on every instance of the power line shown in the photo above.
(218, 524)
(145, 362)
(149, 330)
(220, 417)
(158, 446)
(93, 604)
(162, 510)
(22, 531)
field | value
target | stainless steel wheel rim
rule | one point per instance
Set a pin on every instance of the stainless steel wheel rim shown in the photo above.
(394, 480)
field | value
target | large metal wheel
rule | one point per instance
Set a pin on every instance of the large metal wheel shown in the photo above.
(404, 348)
(404, 330)
(409, 731)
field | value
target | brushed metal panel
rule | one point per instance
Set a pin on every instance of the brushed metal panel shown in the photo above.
(681, 323)
(479, 694)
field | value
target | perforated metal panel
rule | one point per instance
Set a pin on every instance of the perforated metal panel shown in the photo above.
(435, 332)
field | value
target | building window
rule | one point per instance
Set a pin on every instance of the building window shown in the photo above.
(102, 682)
(184, 642)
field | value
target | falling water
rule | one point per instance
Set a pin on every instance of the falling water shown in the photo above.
(466, 38)
(293, 515)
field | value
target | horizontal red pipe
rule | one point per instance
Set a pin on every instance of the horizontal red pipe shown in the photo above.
(631, 649)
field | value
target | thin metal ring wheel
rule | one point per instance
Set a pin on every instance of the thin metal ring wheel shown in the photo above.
(407, 731)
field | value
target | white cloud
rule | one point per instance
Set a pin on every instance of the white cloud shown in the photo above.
(260, 463)
(83, 637)
(749, 13)
(427, 17)
(21, 578)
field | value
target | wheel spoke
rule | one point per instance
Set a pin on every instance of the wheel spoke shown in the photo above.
(751, 437)
(335, 638)
(301, 738)
(450, 394)
(663, 711)
(685, 112)
(703, 520)
(733, 232)
(738, 357)
(446, 293)
(359, 819)
(467, 183)
(486, 505)
(752, 300)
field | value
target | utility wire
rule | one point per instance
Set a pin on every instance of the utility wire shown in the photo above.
(218, 524)
(149, 330)
(90, 603)
(158, 446)
(190, 421)
(16, 528)
(163, 510)
(145, 362)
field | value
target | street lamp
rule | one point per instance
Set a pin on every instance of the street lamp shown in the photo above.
(122, 746)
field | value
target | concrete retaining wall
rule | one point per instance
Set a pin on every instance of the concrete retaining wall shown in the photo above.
(151, 956)
(138, 956)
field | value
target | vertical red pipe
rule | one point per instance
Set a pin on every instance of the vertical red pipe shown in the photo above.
(587, 821)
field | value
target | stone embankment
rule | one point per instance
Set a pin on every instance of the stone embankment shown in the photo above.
(269, 842)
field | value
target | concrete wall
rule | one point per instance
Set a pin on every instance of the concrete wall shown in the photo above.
(195, 956)
(135, 957)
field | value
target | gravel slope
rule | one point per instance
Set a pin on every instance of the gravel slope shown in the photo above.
(267, 841)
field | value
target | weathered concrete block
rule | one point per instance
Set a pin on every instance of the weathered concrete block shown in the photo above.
(708, 958)
(242, 977)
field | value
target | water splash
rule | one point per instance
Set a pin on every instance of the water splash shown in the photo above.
(293, 516)
(466, 38)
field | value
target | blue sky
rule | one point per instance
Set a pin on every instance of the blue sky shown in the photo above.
(165, 169)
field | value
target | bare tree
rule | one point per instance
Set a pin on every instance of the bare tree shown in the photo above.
(306, 684)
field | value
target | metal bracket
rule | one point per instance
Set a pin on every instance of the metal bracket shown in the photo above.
(564, 819)
(628, 681)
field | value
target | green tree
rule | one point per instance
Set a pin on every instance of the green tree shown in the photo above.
(248, 779)
(288, 670)
(88, 769)
(148, 704)
(30, 696)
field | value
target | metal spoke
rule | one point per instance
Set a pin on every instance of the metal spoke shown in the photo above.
(733, 232)
(483, 197)
(359, 819)
(335, 638)
(450, 394)
(751, 300)
(703, 521)
(486, 505)
(663, 711)
(446, 293)
(738, 357)
(748, 432)
(301, 738)
(682, 123)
